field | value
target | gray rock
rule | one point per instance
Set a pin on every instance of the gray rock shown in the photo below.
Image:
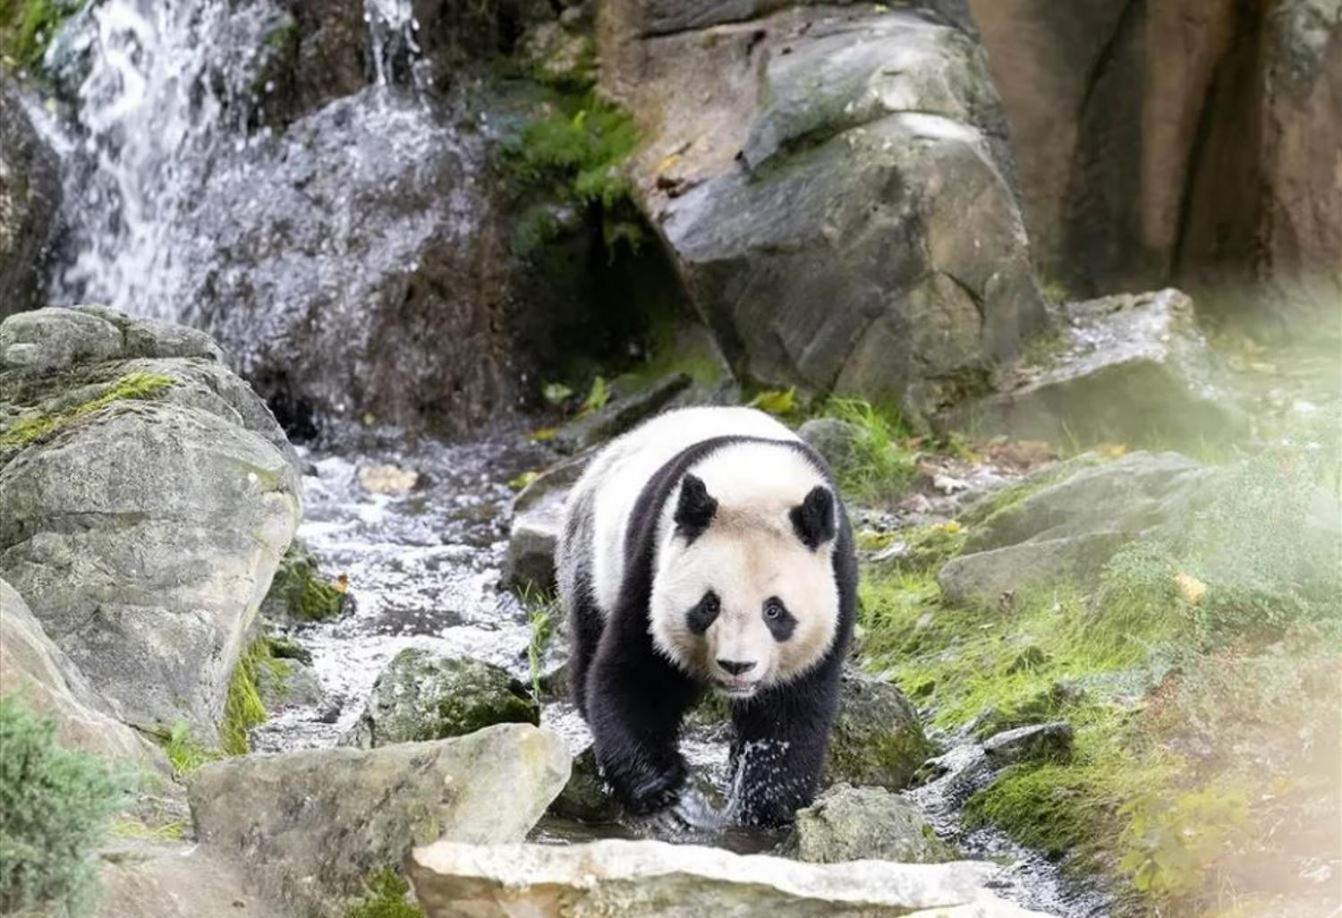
(647, 878)
(859, 823)
(538, 513)
(147, 503)
(310, 825)
(624, 411)
(175, 880)
(421, 695)
(1036, 743)
(816, 155)
(831, 438)
(1131, 369)
(285, 683)
(877, 737)
(33, 667)
(30, 195)
(584, 797)
(1071, 528)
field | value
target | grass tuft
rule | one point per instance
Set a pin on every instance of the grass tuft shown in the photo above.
(879, 466)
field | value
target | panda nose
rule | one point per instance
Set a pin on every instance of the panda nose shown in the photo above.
(736, 667)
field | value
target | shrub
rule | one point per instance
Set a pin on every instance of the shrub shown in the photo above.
(54, 805)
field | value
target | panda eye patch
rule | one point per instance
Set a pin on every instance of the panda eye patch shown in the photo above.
(704, 613)
(780, 621)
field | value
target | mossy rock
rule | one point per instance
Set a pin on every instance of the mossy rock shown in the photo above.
(860, 823)
(422, 695)
(300, 593)
(877, 738)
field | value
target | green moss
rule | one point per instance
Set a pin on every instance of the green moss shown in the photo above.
(384, 897)
(31, 427)
(125, 827)
(243, 708)
(27, 27)
(926, 549)
(302, 592)
(879, 466)
(54, 805)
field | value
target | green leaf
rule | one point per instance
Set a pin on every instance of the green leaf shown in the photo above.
(776, 401)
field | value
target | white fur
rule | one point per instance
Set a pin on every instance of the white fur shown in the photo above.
(749, 553)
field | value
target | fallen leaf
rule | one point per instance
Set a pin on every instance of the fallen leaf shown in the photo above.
(1190, 588)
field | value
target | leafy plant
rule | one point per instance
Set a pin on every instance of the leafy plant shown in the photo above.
(878, 465)
(54, 805)
(384, 897)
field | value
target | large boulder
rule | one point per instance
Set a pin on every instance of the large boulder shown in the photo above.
(167, 879)
(148, 496)
(311, 825)
(1129, 369)
(30, 195)
(861, 823)
(800, 155)
(422, 695)
(1068, 530)
(646, 878)
(35, 668)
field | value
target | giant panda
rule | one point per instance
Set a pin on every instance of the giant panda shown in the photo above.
(708, 549)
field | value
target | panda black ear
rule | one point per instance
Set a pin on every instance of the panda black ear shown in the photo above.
(813, 518)
(696, 508)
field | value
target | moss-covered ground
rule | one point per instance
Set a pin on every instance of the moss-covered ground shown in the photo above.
(1202, 681)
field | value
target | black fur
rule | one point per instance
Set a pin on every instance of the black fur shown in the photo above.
(695, 509)
(634, 699)
(814, 519)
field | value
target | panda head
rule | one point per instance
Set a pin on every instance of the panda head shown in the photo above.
(744, 595)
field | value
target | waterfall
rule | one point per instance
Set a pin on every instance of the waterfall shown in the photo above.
(169, 99)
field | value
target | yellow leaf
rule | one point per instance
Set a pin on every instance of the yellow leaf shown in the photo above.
(666, 163)
(544, 435)
(1190, 588)
(776, 401)
(1112, 450)
(521, 482)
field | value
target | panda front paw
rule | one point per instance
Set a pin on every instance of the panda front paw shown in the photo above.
(644, 787)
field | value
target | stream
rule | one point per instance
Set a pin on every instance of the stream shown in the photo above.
(424, 571)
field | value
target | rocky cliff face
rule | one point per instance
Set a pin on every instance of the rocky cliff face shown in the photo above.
(1192, 142)
(30, 194)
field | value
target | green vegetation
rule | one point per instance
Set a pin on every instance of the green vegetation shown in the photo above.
(31, 427)
(541, 621)
(27, 27)
(879, 465)
(243, 708)
(1200, 677)
(54, 805)
(301, 590)
(185, 752)
(574, 155)
(384, 897)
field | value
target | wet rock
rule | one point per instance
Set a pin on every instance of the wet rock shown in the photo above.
(285, 683)
(529, 563)
(422, 695)
(860, 823)
(428, 284)
(538, 513)
(300, 592)
(184, 500)
(310, 825)
(35, 668)
(877, 738)
(623, 412)
(1049, 742)
(584, 797)
(810, 155)
(30, 195)
(1070, 528)
(646, 878)
(1130, 369)
(831, 438)
(175, 880)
